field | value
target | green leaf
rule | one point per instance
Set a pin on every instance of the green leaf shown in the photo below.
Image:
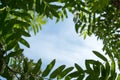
(84, 10)
(113, 67)
(25, 66)
(113, 76)
(77, 27)
(88, 67)
(82, 28)
(81, 77)
(67, 78)
(24, 42)
(11, 44)
(89, 29)
(16, 47)
(56, 72)
(84, 19)
(100, 56)
(23, 15)
(65, 13)
(16, 53)
(26, 34)
(107, 65)
(110, 55)
(13, 36)
(92, 77)
(48, 68)
(65, 72)
(6, 74)
(74, 74)
(54, 13)
(93, 67)
(103, 73)
(37, 67)
(79, 68)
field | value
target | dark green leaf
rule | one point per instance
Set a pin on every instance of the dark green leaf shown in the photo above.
(67, 78)
(82, 28)
(65, 72)
(79, 68)
(48, 68)
(77, 26)
(92, 77)
(100, 56)
(26, 34)
(11, 44)
(37, 67)
(16, 53)
(24, 42)
(56, 72)
(65, 13)
(88, 67)
(81, 77)
(107, 65)
(89, 29)
(113, 67)
(6, 74)
(23, 15)
(103, 73)
(25, 66)
(113, 76)
(84, 10)
(14, 36)
(74, 74)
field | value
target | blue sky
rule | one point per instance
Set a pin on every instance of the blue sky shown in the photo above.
(61, 42)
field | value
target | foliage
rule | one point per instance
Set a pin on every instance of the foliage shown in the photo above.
(23, 69)
(98, 17)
